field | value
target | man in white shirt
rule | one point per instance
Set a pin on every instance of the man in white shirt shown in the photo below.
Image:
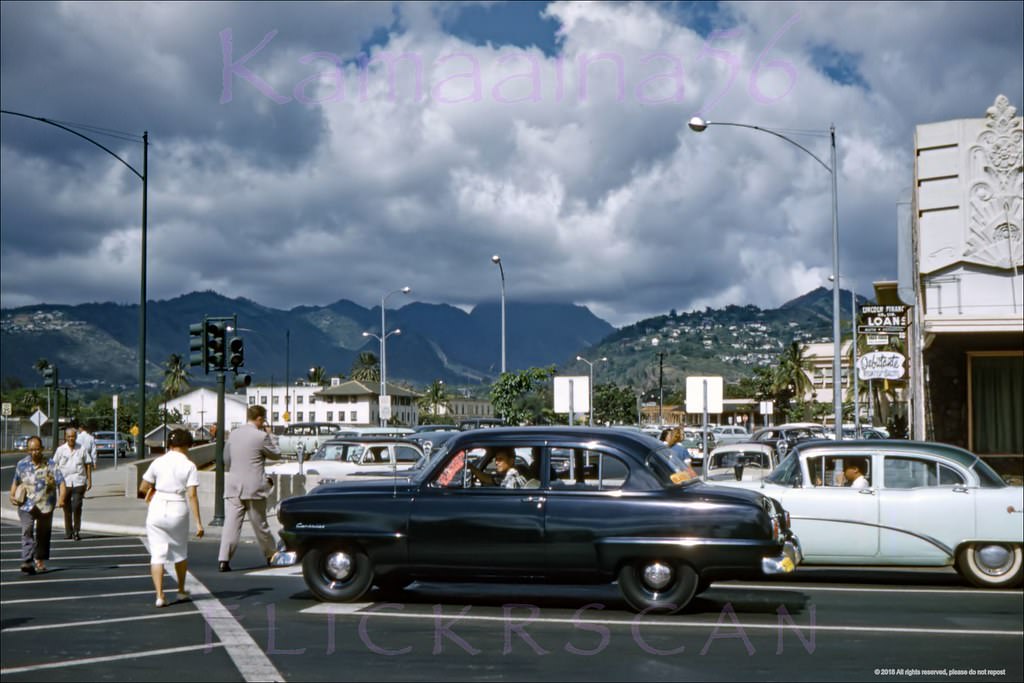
(76, 467)
(87, 441)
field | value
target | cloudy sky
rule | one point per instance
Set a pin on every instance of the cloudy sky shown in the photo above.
(305, 153)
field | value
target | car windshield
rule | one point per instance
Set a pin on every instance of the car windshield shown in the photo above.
(328, 452)
(730, 459)
(788, 471)
(670, 467)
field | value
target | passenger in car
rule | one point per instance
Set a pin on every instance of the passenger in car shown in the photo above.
(505, 475)
(853, 470)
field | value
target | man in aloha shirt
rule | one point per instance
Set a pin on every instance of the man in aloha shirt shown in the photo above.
(43, 481)
(76, 466)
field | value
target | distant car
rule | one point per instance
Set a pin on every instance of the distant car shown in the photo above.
(309, 434)
(481, 423)
(105, 444)
(599, 505)
(924, 504)
(436, 428)
(786, 436)
(740, 462)
(341, 458)
(430, 442)
(21, 443)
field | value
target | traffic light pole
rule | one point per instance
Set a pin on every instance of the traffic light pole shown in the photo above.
(218, 495)
(56, 409)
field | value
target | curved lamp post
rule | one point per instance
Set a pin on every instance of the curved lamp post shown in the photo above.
(698, 125)
(140, 441)
(497, 261)
(602, 359)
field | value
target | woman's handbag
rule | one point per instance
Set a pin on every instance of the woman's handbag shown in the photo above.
(20, 495)
(149, 494)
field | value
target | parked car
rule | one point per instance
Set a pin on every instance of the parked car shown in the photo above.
(21, 443)
(694, 445)
(607, 505)
(309, 434)
(926, 504)
(481, 423)
(784, 437)
(340, 458)
(740, 462)
(107, 442)
(436, 428)
(431, 441)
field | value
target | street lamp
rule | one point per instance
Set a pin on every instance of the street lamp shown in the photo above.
(497, 260)
(698, 125)
(140, 444)
(604, 359)
(383, 347)
(661, 381)
(853, 370)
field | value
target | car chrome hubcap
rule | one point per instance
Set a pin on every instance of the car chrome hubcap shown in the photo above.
(994, 559)
(338, 566)
(657, 575)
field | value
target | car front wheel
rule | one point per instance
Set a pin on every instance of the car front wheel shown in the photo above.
(337, 573)
(658, 585)
(991, 565)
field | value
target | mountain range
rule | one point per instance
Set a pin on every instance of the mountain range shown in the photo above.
(96, 343)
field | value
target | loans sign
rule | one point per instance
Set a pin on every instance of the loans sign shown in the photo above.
(881, 365)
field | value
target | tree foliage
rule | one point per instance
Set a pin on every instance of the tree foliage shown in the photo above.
(614, 404)
(518, 397)
(366, 368)
(176, 376)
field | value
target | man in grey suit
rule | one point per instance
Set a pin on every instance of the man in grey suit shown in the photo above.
(246, 485)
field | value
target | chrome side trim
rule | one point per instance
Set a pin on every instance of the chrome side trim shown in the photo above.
(927, 539)
(686, 542)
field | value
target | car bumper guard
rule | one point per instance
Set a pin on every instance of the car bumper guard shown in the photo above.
(787, 561)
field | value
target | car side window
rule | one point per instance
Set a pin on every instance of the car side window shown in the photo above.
(909, 473)
(950, 477)
(582, 469)
(406, 454)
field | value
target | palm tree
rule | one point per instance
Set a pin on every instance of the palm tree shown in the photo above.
(435, 397)
(41, 365)
(791, 373)
(176, 376)
(317, 375)
(366, 368)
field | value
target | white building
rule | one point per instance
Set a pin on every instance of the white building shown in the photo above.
(967, 372)
(349, 403)
(199, 407)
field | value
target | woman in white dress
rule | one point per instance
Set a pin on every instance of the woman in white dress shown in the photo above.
(173, 479)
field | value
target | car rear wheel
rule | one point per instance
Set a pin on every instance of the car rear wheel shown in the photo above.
(658, 585)
(991, 565)
(337, 573)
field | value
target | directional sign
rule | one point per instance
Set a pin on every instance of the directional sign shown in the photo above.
(385, 406)
(39, 418)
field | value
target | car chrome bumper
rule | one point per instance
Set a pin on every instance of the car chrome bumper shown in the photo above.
(786, 562)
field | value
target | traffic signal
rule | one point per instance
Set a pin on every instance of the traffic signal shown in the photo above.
(196, 344)
(242, 380)
(215, 333)
(236, 356)
(50, 376)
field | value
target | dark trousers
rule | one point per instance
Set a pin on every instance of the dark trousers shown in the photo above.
(35, 535)
(73, 510)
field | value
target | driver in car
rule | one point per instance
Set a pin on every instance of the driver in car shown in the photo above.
(506, 475)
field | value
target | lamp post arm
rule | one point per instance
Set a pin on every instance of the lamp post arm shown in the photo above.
(75, 132)
(776, 134)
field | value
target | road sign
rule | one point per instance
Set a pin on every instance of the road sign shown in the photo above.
(577, 397)
(6, 410)
(115, 401)
(38, 418)
(134, 431)
(385, 407)
(767, 407)
(695, 394)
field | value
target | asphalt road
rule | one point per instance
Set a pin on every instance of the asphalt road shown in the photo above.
(92, 618)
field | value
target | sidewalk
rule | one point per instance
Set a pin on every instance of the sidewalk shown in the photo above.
(107, 510)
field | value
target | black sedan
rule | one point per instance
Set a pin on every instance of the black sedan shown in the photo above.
(580, 506)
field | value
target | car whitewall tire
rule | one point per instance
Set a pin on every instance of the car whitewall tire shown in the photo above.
(337, 573)
(658, 585)
(991, 565)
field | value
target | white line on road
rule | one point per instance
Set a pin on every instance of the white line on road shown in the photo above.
(110, 658)
(842, 589)
(345, 610)
(82, 579)
(97, 557)
(95, 622)
(76, 597)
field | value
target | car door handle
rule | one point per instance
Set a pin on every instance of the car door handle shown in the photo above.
(867, 492)
(539, 500)
(960, 489)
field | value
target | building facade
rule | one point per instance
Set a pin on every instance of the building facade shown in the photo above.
(967, 372)
(349, 403)
(198, 408)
